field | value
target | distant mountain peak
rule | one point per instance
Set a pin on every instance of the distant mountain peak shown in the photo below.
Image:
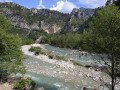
(87, 11)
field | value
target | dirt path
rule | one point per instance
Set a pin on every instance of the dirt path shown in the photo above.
(5, 86)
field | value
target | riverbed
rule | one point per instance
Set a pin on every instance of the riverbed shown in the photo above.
(81, 57)
(60, 75)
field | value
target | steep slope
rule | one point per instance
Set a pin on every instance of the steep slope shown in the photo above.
(78, 19)
(29, 19)
(25, 20)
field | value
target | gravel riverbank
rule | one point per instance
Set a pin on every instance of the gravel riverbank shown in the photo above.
(6, 86)
(66, 70)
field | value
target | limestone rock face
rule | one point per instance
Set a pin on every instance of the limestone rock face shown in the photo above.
(22, 17)
(78, 17)
(48, 20)
(50, 28)
(34, 10)
(83, 12)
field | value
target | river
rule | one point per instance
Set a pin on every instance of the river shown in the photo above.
(81, 57)
(52, 77)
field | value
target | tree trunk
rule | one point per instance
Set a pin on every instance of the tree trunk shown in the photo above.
(113, 74)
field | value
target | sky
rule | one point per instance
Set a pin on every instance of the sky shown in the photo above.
(65, 6)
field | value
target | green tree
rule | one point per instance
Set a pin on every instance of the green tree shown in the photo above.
(10, 49)
(117, 3)
(105, 37)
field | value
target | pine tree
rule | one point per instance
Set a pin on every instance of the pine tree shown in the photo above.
(10, 49)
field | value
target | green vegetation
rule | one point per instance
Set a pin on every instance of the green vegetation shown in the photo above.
(31, 17)
(37, 50)
(10, 50)
(28, 38)
(23, 34)
(76, 63)
(77, 22)
(27, 41)
(117, 3)
(52, 56)
(105, 37)
(24, 84)
(102, 36)
(60, 58)
(11, 56)
(67, 40)
(35, 34)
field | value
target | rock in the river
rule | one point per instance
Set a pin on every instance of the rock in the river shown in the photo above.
(84, 88)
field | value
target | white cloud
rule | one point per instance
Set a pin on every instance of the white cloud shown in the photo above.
(8, 1)
(64, 6)
(92, 3)
(40, 5)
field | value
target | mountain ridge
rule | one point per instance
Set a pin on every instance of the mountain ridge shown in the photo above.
(48, 20)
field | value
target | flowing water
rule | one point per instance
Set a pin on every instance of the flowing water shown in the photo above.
(35, 67)
(49, 83)
(78, 56)
(52, 83)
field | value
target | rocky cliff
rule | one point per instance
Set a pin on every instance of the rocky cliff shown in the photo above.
(78, 18)
(22, 17)
(26, 20)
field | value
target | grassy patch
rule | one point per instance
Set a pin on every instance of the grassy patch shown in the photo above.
(37, 50)
(24, 84)
(52, 56)
(61, 58)
(76, 63)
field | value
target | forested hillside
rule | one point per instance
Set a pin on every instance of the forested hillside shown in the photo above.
(48, 20)
(91, 32)
(22, 17)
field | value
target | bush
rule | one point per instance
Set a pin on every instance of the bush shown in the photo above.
(37, 50)
(32, 49)
(25, 83)
(51, 56)
(27, 41)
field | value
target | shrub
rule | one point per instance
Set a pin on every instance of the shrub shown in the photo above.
(32, 49)
(24, 83)
(51, 56)
(26, 41)
(37, 50)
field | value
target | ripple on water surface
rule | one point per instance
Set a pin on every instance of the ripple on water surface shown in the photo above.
(49, 83)
(78, 56)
